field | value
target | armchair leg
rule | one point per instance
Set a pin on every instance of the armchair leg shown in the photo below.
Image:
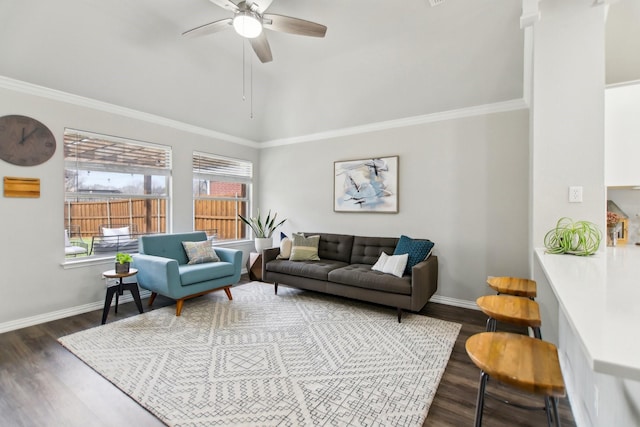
(152, 298)
(227, 290)
(179, 304)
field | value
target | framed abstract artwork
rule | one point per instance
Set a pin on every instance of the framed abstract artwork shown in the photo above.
(366, 185)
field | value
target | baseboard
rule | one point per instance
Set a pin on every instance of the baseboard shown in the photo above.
(454, 302)
(61, 314)
(98, 305)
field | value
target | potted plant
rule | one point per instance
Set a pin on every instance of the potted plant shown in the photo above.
(262, 230)
(123, 262)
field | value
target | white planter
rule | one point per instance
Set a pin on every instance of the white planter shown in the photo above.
(263, 243)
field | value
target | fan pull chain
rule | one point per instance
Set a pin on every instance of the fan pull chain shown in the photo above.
(243, 71)
(251, 89)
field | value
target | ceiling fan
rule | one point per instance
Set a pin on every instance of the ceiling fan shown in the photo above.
(250, 19)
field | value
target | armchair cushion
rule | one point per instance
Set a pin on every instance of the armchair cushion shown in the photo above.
(190, 274)
(200, 252)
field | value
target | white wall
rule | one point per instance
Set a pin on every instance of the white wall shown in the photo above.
(567, 114)
(568, 150)
(35, 282)
(622, 133)
(463, 183)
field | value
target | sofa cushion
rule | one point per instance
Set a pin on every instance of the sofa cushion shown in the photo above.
(367, 250)
(334, 246)
(418, 250)
(200, 252)
(285, 248)
(304, 248)
(392, 264)
(312, 269)
(361, 276)
(197, 273)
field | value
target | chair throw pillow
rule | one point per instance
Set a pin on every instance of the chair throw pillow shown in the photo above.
(394, 264)
(285, 248)
(417, 249)
(200, 252)
(122, 231)
(304, 248)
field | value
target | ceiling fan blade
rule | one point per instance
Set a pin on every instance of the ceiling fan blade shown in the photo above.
(261, 5)
(210, 28)
(287, 24)
(261, 47)
(225, 4)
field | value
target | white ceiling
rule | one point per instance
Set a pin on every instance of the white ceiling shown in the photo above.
(380, 60)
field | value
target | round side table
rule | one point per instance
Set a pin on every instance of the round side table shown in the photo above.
(119, 289)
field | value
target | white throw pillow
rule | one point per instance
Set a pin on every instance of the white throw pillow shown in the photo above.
(285, 248)
(394, 264)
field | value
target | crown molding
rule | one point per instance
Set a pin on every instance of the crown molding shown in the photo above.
(479, 110)
(57, 95)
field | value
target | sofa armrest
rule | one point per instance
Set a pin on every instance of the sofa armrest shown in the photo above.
(424, 282)
(268, 255)
(157, 274)
(233, 256)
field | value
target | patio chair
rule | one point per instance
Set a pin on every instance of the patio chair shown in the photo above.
(115, 238)
(73, 243)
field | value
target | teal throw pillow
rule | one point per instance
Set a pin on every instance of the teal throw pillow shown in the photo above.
(418, 250)
(304, 248)
(200, 252)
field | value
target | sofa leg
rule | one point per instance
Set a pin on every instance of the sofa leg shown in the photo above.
(227, 290)
(179, 304)
(152, 298)
(275, 288)
(399, 315)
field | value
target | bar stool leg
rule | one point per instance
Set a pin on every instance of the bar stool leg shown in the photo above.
(556, 416)
(492, 324)
(480, 402)
(537, 333)
(547, 409)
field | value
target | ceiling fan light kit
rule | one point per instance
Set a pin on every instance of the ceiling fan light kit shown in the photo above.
(250, 19)
(248, 24)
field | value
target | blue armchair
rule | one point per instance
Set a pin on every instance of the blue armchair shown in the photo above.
(163, 269)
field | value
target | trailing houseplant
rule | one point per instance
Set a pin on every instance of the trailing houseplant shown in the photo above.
(123, 262)
(573, 237)
(263, 229)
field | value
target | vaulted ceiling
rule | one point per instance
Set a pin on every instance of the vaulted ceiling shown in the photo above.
(380, 60)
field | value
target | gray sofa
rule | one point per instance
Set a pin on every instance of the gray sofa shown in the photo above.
(344, 269)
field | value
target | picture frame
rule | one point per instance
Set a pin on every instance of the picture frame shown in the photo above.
(366, 185)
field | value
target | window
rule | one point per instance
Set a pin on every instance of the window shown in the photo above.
(115, 190)
(221, 191)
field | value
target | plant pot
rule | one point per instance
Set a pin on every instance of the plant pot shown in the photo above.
(263, 243)
(122, 268)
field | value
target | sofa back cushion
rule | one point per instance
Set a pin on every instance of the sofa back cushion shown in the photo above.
(169, 245)
(367, 250)
(336, 247)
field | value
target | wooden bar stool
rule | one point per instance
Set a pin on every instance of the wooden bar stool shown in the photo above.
(522, 362)
(513, 286)
(515, 310)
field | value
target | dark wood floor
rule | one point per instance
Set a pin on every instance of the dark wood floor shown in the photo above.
(42, 384)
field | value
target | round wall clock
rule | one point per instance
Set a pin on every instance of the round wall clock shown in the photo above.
(25, 141)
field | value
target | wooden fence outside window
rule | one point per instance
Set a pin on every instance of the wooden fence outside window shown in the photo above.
(149, 216)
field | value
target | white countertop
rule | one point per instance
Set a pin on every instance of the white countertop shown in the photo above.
(600, 295)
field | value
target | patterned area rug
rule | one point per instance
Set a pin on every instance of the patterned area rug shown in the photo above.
(293, 359)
